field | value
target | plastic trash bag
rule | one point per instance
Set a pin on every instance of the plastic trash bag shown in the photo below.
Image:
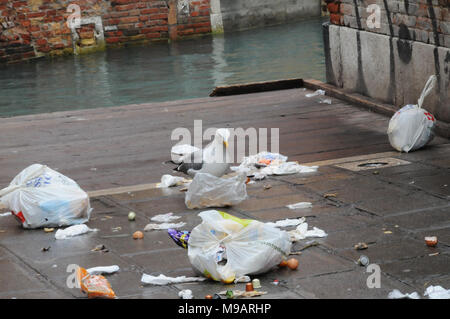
(207, 190)
(41, 197)
(224, 247)
(412, 126)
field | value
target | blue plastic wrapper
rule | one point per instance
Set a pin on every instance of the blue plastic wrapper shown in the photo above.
(180, 237)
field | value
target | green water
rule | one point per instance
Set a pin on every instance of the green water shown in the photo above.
(162, 72)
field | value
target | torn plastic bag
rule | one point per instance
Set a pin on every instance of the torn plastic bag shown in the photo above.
(207, 190)
(224, 247)
(41, 197)
(412, 126)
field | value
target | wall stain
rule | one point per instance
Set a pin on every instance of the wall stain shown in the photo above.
(404, 45)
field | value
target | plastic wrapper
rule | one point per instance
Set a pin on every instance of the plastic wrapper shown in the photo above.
(180, 237)
(207, 190)
(224, 247)
(95, 286)
(41, 197)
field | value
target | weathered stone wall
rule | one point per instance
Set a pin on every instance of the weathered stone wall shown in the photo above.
(393, 62)
(426, 21)
(34, 28)
(246, 14)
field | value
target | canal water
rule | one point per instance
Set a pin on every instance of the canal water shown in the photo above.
(162, 72)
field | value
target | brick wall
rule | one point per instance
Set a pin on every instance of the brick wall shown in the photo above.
(426, 21)
(34, 28)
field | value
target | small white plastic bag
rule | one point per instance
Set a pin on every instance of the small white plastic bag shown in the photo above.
(41, 197)
(412, 126)
(207, 190)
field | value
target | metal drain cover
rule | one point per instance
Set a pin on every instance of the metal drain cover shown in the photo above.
(373, 164)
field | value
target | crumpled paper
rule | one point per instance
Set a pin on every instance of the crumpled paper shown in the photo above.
(165, 218)
(186, 294)
(302, 232)
(162, 280)
(396, 294)
(300, 205)
(287, 222)
(437, 292)
(169, 181)
(163, 226)
(103, 270)
(72, 231)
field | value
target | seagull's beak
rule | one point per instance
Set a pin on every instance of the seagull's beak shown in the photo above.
(225, 143)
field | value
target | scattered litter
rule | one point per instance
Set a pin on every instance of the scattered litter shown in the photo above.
(207, 190)
(170, 181)
(249, 287)
(181, 150)
(116, 229)
(6, 214)
(73, 231)
(103, 270)
(131, 216)
(396, 294)
(302, 232)
(316, 93)
(181, 238)
(300, 205)
(49, 230)
(46, 248)
(217, 296)
(223, 238)
(388, 232)
(363, 260)
(100, 247)
(164, 226)
(208, 297)
(256, 283)
(240, 294)
(287, 222)
(361, 246)
(41, 197)
(95, 286)
(2, 231)
(242, 279)
(275, 282)
(186, 294)
(163, 280)
(437, 292)
(435, 254)
(412, 127)
(165, 218)
(266, 163)
(55, 266)
(330, 195)
(325, 101)
(138, 235)
(431, 241)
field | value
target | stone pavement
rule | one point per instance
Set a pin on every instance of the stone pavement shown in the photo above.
(390, 208)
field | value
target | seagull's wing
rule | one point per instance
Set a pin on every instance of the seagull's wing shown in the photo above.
(195, 163)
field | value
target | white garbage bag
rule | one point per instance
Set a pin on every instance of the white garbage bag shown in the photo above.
(412, 126)
(41, 197)
(207, 190)
(224, 247)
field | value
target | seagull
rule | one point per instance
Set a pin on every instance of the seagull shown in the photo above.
(213, 159)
